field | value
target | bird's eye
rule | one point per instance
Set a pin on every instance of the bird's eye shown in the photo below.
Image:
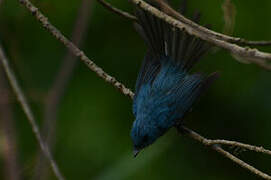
(145, 138)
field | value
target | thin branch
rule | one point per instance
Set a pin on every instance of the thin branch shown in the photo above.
(251, 55)
(60, 83)
(175, 14)
(245, 42)
(226, 42)
(56, 33)
(241, 163)
(238, 144)
(26, 108)
(220, 150)
(209, 32)
(11, 165)
(75, 50)
(117, 11)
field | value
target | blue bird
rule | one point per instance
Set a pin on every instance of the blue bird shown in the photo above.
(165, 89)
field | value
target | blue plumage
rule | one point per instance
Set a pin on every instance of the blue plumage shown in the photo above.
(165, 91)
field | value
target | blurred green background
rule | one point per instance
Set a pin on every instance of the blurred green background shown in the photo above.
(93, 124)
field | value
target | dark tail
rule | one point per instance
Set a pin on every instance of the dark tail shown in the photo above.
(164, 40)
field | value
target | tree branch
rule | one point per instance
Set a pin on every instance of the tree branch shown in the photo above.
(57, 90)
(238, 144)
(223, 41)
(250, 55)
(170, 11)
(175, 14)
(75, 50)
(26, 108)
(56, 33)
(214, 146)
(117, 11)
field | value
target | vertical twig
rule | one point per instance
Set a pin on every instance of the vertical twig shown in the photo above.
(60, 83)
(8, 132)
(30, 117)
(229, 11)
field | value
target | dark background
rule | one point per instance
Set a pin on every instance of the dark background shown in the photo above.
(92, 139)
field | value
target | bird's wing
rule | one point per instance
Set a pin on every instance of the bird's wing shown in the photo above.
(148, 71)
(189, 92)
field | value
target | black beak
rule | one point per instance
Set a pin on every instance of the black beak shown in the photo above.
(136, 152)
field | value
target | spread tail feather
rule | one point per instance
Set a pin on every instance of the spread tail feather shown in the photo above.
(164, 40)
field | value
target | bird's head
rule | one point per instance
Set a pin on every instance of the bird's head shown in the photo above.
(143, 134)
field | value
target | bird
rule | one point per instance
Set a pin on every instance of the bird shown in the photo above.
(165, 89)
